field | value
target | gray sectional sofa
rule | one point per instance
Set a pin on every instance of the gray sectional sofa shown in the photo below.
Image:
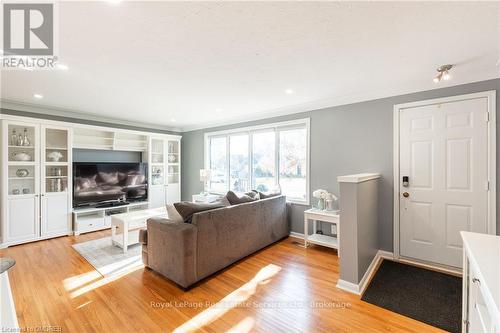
(188, 252)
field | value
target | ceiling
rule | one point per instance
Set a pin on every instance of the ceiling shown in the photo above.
(190, 65)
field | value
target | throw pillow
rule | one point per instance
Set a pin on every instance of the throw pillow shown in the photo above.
(235, 199)
(187, 209)
(173, 214)
(267, 195)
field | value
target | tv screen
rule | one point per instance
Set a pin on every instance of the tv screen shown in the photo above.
(95, 183)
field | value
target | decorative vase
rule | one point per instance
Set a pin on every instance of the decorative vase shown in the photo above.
(321, 204)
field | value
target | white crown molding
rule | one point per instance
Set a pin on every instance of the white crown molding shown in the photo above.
(68, 113)
(330, 102)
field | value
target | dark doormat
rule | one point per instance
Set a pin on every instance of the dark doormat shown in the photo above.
(431, 297)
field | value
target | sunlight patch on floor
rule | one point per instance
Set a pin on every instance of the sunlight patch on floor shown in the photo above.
(229, 302)
(77, 281)
(243, 326)
(79, 285)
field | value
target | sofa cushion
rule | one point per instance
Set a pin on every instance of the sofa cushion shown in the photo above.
(266, 195)
(173, 214)
(186, 209)
(235, 199)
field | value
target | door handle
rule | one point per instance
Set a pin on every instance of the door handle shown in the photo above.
(406, 194)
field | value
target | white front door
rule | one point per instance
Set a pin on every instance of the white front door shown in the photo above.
(444, 154)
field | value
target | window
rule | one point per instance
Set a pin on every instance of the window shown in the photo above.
(218, 164)
(293, 163)
(263, 161)
(261, 158)
(238, 162)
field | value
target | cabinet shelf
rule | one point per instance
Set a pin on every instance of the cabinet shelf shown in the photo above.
(20, 178)
(56, 148)
(22, 147)
(21, 163)
(55, 177)
(56, 163)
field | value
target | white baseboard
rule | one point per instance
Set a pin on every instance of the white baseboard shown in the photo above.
(359, 288)
(296, 235)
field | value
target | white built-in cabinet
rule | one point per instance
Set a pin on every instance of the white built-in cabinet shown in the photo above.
(165, 171)
(36, 181)
(36, 175)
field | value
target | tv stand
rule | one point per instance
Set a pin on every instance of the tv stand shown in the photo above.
(99, 218)
(112, 204)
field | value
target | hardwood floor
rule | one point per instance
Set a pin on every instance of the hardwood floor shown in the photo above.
(283, 288)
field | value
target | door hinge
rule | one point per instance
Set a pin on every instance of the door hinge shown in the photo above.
(487, 186)
(487, 116)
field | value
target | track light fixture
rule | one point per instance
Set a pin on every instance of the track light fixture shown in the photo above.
(443, 73)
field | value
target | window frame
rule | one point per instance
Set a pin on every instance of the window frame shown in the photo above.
(250, 130)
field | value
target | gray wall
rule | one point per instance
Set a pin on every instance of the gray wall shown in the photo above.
(358, 227)
(345, 139)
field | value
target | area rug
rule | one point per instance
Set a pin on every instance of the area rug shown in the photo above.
(428, 296)
(108, 259)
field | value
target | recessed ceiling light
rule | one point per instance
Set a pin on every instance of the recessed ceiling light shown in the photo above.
(62, 67)
(289, 91)
(173, 120)
(39, 96)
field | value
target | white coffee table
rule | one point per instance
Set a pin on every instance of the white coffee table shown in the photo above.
(125, 227)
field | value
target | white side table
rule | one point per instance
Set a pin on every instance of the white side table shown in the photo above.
(316, 215)
(205, 198)
(130, 223)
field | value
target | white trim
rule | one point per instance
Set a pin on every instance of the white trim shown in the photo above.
(296, 235)
(296, 123)
(77, 115)
(325, 103)
(431, 266)
(79, 125)
(348, 286)
(491, 96)
(359, 288)
(358, 178)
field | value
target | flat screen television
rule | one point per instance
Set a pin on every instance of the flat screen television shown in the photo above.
(96, 184)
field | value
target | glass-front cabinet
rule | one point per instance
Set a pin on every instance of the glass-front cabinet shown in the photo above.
(36, 181)
(165, 171)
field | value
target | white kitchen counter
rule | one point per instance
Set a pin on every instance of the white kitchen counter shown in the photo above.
(8, 318)
(483, 253)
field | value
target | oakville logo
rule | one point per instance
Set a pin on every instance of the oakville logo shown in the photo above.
(28, 29)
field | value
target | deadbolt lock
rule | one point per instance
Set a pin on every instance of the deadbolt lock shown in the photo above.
(406, 194)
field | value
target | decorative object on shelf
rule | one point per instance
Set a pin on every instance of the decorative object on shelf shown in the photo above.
(19, 140)
(325, 199)
(205, 177)
(22, 173)
(16, 191)
(54, 156)
(171, 169)
(21, 156)
(172, 158)
(330, 199)
(13, 138)
(170, 147)
(26, 190)
(26, 141)
(56, 185)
